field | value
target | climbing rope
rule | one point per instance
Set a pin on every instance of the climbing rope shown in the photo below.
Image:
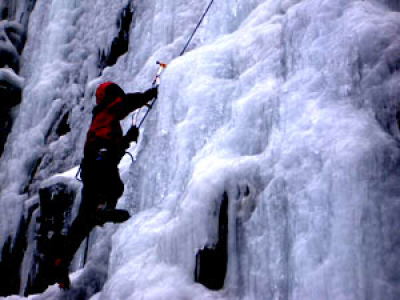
(156, 81)
(130, 155)
(197, 27)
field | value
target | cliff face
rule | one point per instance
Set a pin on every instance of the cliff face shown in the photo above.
(268, 169)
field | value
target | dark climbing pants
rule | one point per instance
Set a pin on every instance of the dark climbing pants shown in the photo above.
(102, 185)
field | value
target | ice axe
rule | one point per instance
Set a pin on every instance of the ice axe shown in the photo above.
(156, 83)
(157, 78)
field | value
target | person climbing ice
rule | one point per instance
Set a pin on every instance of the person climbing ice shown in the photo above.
(102, 186)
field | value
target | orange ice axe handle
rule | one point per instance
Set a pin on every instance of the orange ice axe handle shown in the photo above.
(163, 66)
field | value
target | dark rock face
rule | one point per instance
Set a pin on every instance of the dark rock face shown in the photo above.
(63, 127)
(16, 10)
(12, 255)
(56, 202)
(50, 227)
(12, 41)
(212, 262)
(120, 43)
(11, 97)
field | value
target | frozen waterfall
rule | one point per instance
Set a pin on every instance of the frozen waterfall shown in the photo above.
(271, 159)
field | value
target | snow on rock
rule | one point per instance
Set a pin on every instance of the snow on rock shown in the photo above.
(287, 109)
(7, 75)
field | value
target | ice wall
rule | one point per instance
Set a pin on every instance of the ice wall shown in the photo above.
(61, 57)
(286, 108)
(14, 16)
(292, 112)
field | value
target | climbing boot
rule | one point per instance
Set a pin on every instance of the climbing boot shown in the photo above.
(106, 215)
(61, 273)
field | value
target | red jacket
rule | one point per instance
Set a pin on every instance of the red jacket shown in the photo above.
(113, 105)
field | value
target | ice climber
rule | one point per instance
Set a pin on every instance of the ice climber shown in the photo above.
(102, 186)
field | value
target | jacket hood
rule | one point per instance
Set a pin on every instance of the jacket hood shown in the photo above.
(108, 91)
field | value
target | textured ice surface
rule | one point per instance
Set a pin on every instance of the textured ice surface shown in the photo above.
(12, 38)
(287, 106)
(58, 60)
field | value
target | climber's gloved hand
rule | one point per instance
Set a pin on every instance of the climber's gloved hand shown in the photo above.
(153, 93)
(132, 134)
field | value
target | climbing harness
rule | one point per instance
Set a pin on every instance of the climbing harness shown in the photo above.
(101, 156)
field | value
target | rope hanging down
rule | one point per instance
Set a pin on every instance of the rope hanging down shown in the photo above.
(156, 81)
(197, 27)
